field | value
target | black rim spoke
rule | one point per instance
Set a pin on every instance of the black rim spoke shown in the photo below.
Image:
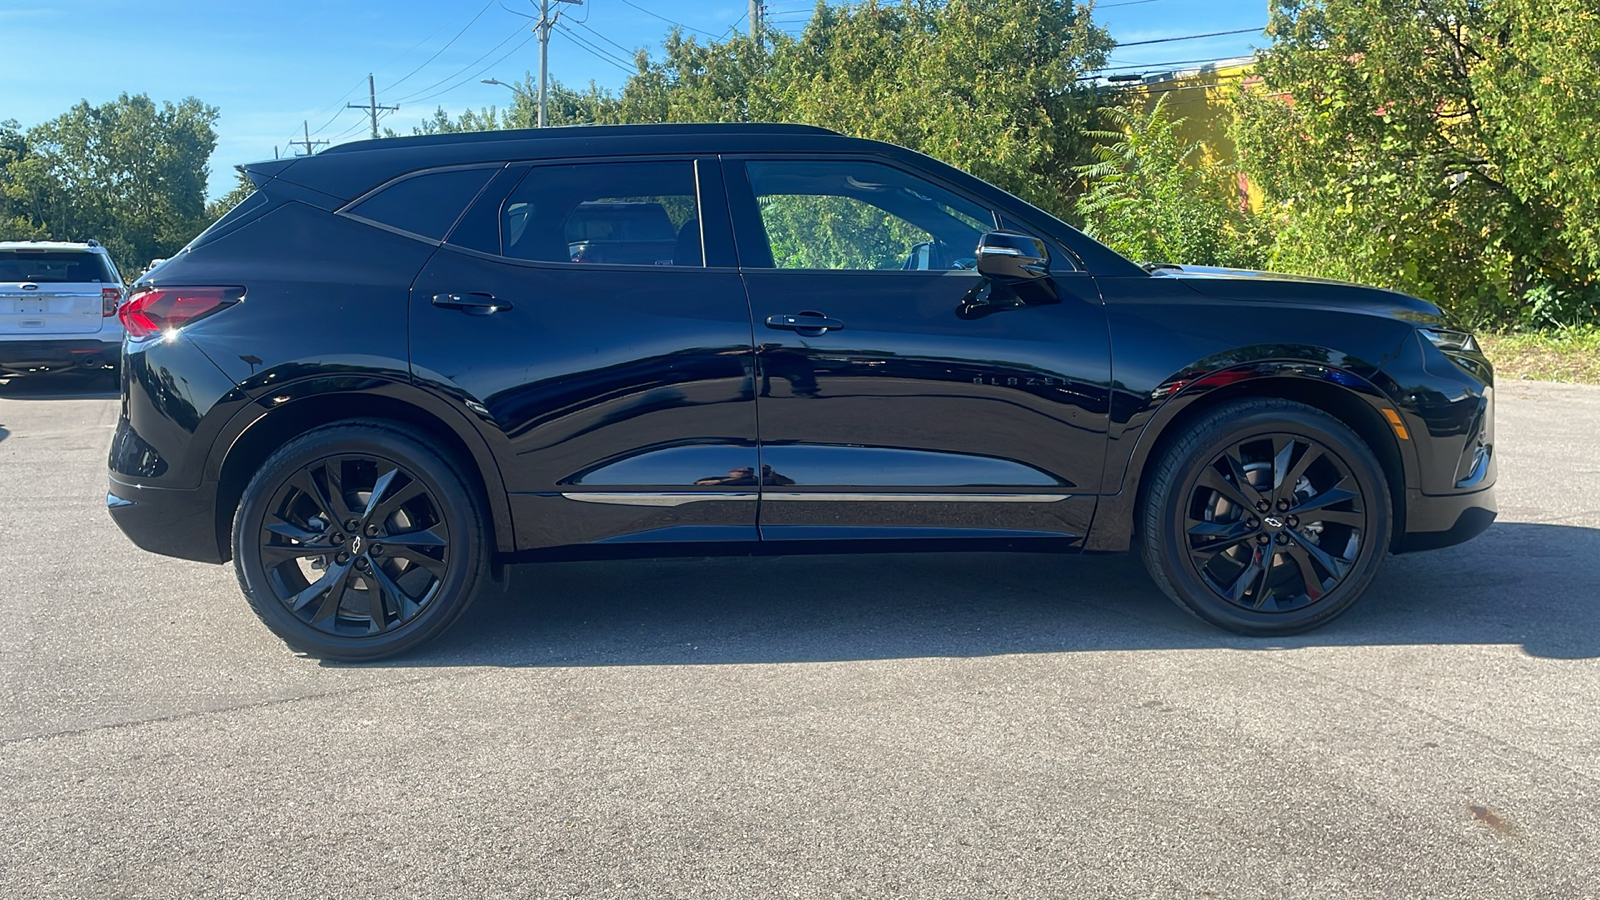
(1336, 517)
(1336, 566)
(328, 527)
(341, 507)
(1336, 494)
(416, 540)
(379, 512)
(1245, 524)
(1215, 481)
(1298, 471)
(1282, 452)
(432, 564)
(1312, 582)
(1241, 479)
(405, 606)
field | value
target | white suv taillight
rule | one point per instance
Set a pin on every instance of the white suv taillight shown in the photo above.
(110, 298)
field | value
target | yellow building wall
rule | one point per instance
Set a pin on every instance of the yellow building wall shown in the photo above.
(1201, 100)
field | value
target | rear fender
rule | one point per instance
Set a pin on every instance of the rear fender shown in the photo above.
(273, 417)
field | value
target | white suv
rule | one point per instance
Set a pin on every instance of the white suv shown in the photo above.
(58, 307)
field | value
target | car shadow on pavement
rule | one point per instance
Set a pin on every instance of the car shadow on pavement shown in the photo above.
(1529, 585)
(59, 386)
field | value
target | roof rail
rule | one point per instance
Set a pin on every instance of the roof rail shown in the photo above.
(576, 131)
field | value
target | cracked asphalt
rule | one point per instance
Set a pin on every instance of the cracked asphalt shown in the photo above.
(943, 725)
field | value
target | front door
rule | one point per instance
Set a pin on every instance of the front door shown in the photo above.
(590, 318)
(893, 402)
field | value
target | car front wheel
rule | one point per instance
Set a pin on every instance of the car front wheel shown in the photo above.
(1267, 517)
(355, 541)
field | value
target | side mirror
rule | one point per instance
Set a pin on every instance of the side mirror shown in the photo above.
(1008, 257)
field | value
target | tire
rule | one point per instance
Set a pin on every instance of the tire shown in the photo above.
(400, 578)
(1292, 567)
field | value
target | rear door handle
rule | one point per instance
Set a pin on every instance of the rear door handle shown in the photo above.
(806, 323)
(476, 303)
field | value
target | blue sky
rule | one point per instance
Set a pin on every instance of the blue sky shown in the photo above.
(271, 66)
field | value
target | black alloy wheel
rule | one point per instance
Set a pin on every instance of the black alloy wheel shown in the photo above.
(355, 541)
(1269, 517)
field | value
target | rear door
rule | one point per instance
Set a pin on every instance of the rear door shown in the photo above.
(894, 401)
(590, 317)
(53, 292)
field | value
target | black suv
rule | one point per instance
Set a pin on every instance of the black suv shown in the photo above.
(401, 364)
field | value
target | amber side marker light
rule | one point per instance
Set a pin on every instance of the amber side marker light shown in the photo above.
(1399, 427)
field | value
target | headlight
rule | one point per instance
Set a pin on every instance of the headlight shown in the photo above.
(1451, 341)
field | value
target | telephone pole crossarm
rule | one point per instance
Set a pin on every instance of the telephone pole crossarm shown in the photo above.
(308, 143)
(371, 106)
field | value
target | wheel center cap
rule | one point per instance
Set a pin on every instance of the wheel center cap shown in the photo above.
(1270, 521)
(355, 544)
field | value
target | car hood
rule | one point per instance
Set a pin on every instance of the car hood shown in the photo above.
(1246, 285)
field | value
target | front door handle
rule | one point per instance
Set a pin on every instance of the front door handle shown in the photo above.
(807, 323)
(476, 303)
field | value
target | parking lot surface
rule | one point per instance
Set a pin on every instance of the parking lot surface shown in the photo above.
(941, 725)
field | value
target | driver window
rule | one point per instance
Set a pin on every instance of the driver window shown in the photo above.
(862, 216)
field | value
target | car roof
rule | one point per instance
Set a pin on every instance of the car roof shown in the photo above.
(349, 170)
(51, 245)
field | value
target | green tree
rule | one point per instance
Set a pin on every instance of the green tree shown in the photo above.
(19, 208)
(128, 173)
(990, 86)
(242, 188)
(1154, 198)
(1407, 143)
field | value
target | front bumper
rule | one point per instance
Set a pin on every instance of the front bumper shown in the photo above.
(1442, 521)
(18, 357)
(168, 521)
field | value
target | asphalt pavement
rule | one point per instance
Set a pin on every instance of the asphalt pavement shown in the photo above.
(941, 725)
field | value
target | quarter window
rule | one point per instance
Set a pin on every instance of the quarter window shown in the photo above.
(862, 216)
(630, 213)
(427, 204)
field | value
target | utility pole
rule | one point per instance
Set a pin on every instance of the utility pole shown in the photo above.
(308, 143)
(371, 105)
(757, 10)
(543, 27)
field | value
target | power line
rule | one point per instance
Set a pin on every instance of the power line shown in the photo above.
(441, 49)
(1192, 37)
(475, 75)
(416, 95)
(594, 51)
(604, 38)
(669, 21)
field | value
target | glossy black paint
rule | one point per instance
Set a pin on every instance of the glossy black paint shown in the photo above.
(632, 410)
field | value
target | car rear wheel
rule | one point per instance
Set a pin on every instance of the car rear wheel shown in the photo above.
(1267, 517)
(355, 541)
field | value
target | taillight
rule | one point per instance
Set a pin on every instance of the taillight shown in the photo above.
(152, 311)
(109, 298)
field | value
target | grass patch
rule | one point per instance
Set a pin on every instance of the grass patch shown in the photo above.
(1565, 354)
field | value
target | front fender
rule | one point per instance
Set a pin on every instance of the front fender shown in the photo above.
(1354, 391)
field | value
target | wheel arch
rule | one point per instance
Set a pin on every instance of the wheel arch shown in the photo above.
(1346, 396)
(256, 433)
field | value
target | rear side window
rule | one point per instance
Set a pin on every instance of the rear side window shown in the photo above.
(54, 267)
(427, 205)
(624, 213)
